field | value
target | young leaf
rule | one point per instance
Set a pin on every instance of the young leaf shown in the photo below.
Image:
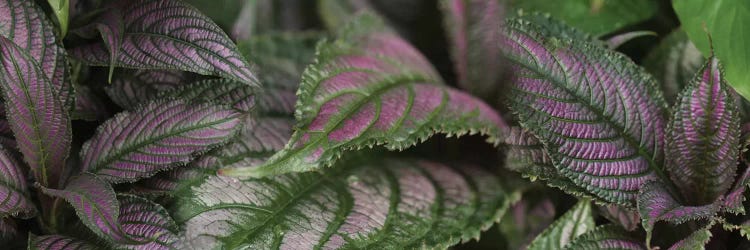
(133, 87)
(170, 34)
(154, 137)
(674, 62)
(606, 237)
(14, 199)
(383, 204)
(703, 137)
(38, 119)
(577, 221)
(110, 26)
(598, 114)
(696, 240)
(369, 88)
(58, 242)
(655, 204)
(474, 29)
(61, 9)
(26, 24)
(147, 222)
(96, 205)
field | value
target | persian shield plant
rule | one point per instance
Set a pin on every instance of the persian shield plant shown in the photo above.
(144, 125)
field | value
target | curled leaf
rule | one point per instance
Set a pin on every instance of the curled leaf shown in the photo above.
(155, 137)
(169, 34)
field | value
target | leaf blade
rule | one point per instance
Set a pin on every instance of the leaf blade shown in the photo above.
(577, 221)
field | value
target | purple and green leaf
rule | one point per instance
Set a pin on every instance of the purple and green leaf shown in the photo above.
(226, 92)
(380, 204)
(703, 137)
(157, 136)
(14, 195)
(58, 242)
(696, 240)
(625, 218)
(38, 119)
(606, 237)
(599, 116)
(369, 88)
(577, 221)
(473, 29)
(147, 222)
(734, 198)
(133, 87)
(168, 34)
(674, 62)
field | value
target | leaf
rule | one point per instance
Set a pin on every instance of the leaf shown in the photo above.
(154, 137)
(381, 204)
(472, 26)
(577, 221)
(723, 20)
(8, 231)
(598, 17)
(170, 34)
(527, 218)
(88, 106)
(625, 218)
(620, 39)
(735, 197)
(655, 204)
(598, 114)
(61, 9)
(674, 62)
(147, 222)
(606, 237)
(96, 205)
(58, 242)
(372, 88)
(703, 137)
(134, 87)
(38, 119)
(28, 27)
(218, 91)
(696, 240)
(335, 14)
(14, 195)
(110, 26)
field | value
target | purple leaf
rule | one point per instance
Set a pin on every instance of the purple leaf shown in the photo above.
(134, 87)
(38, 119)
(598, 114)
(473, 28)
(626, 218)
(655, 204)
(14, 199)
(735, 197)
(703, 137)
(96, 205)
(170, 34)
(110, 26)
(369, 88)
(606, 237)
(58, 242)
(155, 137)
(218, 91)
(88, 106)
(146, 222)
(26, 24)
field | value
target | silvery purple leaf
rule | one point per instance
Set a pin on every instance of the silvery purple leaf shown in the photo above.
(473, 27)
(133, 87)
(370, 87)
(606, 237)
(157, 136)
(734, 198)
(703, 137)
(58, 242)
(96, 205)
(14, 197)
(598, 114)
(656, 203)
(378, 204)
(26, 24)
(218, 91)
(146, 222)
(38, 119)
(170, 34)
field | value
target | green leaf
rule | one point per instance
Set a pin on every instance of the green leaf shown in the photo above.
(598, 17)
(725, 21)
(606, 237)
(696, 240)
(577, 221)
(674, 62)
(370, 87)
(362, 203)
(61, 9)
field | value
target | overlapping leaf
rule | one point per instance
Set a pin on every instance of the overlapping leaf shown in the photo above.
(219, 91)
(734, 198)
(703, 137)
(170, 34)
(599, 115)
(130, 88)
(58, 242)
(577, 221)
(26, 24)
(147, 222)
(625, 218)
(370, 88)
(696, 240)
(38, 119)
(380, 204)
(155, 137)
(606, 237)
(473, 28)
(674, 62)
(14, 199)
